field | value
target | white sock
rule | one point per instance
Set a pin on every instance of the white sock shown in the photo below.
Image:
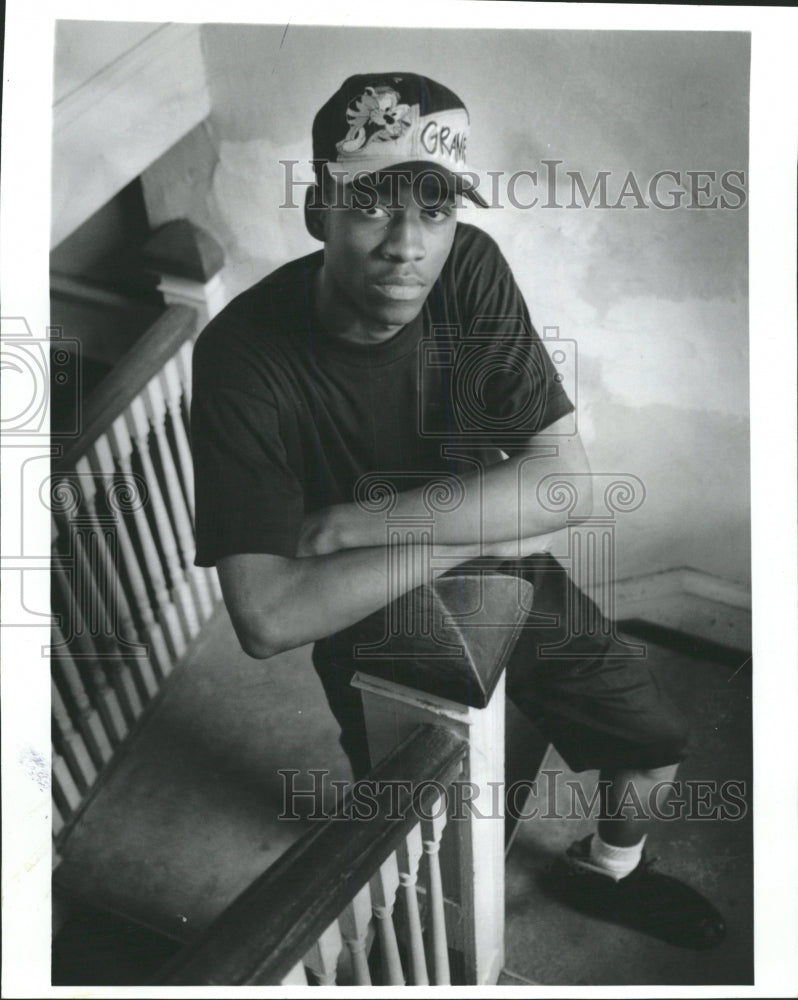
(616, 862)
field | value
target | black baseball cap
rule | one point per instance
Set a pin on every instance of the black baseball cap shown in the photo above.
(377, 121)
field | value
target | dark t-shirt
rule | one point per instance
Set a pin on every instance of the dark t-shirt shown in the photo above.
(285, 419)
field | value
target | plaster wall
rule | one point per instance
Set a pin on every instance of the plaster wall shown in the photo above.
(655, 299)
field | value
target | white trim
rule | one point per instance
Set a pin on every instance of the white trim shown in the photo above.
(208, 298)
(680, 580)
(411, 696)
(691, 601)
(716, 589)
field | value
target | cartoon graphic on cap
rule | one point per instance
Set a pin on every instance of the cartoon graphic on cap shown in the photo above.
(375, 116)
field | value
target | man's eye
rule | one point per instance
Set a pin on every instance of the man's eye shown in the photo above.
(438, 214)
(375, 212)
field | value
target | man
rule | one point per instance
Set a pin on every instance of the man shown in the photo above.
(404, 348)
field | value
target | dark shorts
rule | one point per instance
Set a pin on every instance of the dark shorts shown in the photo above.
(581, 685)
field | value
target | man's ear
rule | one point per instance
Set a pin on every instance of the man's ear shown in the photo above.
(315, 213)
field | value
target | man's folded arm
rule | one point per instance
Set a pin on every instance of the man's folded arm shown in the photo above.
(344, 570)
(278, 603)
(499, 504)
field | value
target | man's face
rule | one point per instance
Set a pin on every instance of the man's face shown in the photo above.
(384, 249)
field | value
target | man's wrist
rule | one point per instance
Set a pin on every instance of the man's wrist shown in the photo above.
(350, 527)
(338, 528)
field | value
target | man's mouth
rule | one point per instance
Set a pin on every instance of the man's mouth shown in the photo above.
(400, 288)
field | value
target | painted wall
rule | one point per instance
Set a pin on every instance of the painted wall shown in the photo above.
(655, 298)
(83, 49)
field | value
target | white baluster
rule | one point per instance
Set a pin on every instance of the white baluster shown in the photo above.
(105, 699)
(106, 568)
(74, 749)
(89, 722)
(409, 855)
(473, 870)
(296, 977)
(139, 426)
(177, 377)
(58, 819)
(322, 959)
(173, 389)
(183, 358)
(118, 624)
(103, 461)
(384, 884)
(91, 553)
(432, 830)
(354, 924)
(64, 784)
(122, 445)
(156, 406)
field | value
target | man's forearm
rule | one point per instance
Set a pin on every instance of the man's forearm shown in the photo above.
(500, 503)
(277, 603)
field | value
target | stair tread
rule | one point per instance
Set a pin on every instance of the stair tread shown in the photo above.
(187, 816)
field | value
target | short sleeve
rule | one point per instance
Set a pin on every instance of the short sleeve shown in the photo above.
(521, 390)
(505, 385)
(247, 498)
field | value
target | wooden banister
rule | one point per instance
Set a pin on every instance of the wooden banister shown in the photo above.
(445, 665)
(313, 903)
(126, 594)
(141, 363)
(266, 932)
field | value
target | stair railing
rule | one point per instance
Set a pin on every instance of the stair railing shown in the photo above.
(126, 597)
(314, 913)
(312, 916)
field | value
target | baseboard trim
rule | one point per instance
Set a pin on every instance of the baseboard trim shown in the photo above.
(685, 606)
(686, 643)
(680, 580)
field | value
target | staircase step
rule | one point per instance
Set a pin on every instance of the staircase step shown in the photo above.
(186, 818)
(100, 949)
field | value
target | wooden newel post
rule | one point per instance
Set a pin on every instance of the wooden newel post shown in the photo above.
(189, 263)
(450, 671)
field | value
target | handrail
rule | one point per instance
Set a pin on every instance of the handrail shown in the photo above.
(141, 363)
(270, 927)
(127, 596)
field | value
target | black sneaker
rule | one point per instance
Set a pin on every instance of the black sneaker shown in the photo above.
(645, 900)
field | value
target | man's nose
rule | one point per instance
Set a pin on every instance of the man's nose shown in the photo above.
(405, 238)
